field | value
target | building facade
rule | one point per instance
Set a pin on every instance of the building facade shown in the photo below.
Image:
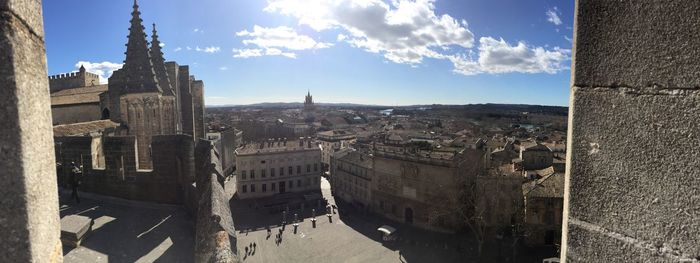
(352, 178)
(276, 167)
(332, 141)
(424, 188)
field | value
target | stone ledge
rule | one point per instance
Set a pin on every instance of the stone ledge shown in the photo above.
(74, 228)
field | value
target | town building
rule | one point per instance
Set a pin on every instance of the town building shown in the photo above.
(278, 166)
(544, 205)
(332, 141)
(351, 178)
(424, 187)
(535, 156)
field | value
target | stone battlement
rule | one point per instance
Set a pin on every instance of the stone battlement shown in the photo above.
(73, 80)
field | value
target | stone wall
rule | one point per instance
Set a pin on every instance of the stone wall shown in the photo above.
(430, 188)
(186, 107)
(29, 218)
(173, 167)
(633, 165)
(215, 233)
(198, 108)
(230, 140)
(72, 80)
(74, 113)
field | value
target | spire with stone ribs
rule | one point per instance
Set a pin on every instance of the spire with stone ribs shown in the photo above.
(159, 64)
(139, 73)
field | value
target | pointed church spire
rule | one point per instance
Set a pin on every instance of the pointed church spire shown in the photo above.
(139, 73)
(159, 64)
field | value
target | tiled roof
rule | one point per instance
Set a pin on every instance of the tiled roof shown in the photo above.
(89, 94)
(83, 128)
(550, 186)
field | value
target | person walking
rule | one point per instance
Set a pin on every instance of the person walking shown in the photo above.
(74, 181)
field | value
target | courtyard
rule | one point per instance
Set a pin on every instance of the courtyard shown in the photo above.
(348, 236)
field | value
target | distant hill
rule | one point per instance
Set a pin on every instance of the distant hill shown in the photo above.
(520, 108)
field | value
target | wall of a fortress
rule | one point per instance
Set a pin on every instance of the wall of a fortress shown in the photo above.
(198, 105)
(173, 167)
(72, 80)
(173, 74)
(633, 168)
(74, 113)
(230, 139)
(186, 107)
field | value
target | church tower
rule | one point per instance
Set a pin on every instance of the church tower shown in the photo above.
(309, 102)
(140, 96)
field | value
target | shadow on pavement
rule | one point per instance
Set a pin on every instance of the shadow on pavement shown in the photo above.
(130, 233)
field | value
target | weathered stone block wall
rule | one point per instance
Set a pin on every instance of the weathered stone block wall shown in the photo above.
(72, 80)
(186, 107)
(229, 142)
(29, 221)
(633, 157)
(173, 71)
(76, 113)
(198, 105)
(215, 234)
(168, 182)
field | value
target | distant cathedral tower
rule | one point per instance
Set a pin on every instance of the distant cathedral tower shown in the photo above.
(309, 102)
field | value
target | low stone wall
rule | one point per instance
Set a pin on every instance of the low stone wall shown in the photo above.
(215, 234)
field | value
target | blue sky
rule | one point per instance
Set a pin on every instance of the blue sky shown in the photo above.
(393, 52)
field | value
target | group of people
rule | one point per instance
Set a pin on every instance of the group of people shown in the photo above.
(250, 249)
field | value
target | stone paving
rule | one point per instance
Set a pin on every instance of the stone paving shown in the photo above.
(349, 238)
(130, 231)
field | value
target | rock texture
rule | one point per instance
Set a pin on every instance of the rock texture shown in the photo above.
(633, 168)
(29, 223)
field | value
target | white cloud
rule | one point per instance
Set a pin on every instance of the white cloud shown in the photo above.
(569, 39)
(197, 30)
(211, 49)
(553, 16)
(403, 32)
(177, 49)
(161, 44)
(276, 41)
(497, 56)
(103, 69)
(188, 48)
(223, 68)
(257, 52)
(408, 31)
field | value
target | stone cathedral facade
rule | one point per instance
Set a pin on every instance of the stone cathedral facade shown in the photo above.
(136, 135)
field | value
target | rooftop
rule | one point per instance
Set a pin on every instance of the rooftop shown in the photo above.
(83, 128)
(276, 146)
(358, 158)
(81, 95)
(549, 186)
